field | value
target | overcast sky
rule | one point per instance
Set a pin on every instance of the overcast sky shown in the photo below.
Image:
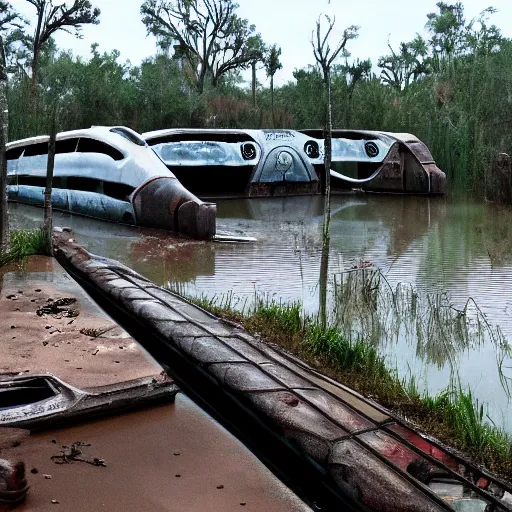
(288, 23)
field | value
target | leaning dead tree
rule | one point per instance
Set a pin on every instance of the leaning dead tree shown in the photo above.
(325, 56)
(211, 37)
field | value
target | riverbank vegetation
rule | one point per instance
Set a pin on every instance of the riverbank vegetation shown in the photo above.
(454, 416)
(24, 243)
(451, 88)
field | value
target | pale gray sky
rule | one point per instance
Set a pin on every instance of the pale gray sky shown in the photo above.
(288, 23)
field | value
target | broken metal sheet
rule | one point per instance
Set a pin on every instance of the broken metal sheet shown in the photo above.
(42, 400)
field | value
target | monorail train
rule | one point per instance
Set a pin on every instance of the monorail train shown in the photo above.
(108, 173)
(382, 162)
(248, 163)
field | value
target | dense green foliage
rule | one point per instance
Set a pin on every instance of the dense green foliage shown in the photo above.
(451, 90)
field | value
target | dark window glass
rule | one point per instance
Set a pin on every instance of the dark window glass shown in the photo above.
(85, 184)
(201, 136)
(117, 190)
(86, 145)
(59, 182)
(36, 149)
(33, 181)
(66, 146)
(14, 153)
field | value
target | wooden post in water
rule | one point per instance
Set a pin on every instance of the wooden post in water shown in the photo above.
(48, 213)
(5, 244)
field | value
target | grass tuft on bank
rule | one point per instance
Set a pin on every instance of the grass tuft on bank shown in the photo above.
(24, 243)
(454, 416)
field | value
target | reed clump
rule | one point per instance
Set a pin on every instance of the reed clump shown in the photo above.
(24, 243)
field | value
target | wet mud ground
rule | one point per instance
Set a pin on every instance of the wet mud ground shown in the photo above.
(165, 459)
(168, 458)
(50, 325)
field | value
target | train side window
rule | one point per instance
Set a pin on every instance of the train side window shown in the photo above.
(86, 145)
(36, 149)
(14, 153)
(66, 145)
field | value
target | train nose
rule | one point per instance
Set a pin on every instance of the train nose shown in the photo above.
(165, 203)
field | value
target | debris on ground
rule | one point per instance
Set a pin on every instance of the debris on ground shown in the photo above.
(74, 453)
(13, 484)
(59, 308)
(96, 333)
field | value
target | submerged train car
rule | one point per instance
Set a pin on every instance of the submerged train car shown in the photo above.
(108, 173)
(239, 163)
(382, 162)
(248, 163)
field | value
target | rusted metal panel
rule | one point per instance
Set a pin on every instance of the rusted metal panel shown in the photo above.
(164, 203)
(64, 403)
(407, 166)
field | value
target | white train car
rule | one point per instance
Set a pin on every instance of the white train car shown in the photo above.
(239, 163)
(109, 173)
(248, 163)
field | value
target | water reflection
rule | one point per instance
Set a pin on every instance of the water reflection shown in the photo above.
(437, 247)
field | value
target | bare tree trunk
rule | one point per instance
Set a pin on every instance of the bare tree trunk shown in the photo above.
(5, 244)
(324, 277)
(253, 64)
(48, 214)
(328, 152)
(326, 237)
(272, 96)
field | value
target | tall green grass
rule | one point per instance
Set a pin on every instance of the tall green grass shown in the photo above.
(24, 243)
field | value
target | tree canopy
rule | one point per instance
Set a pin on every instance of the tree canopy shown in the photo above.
(208, 34)
(52, 18)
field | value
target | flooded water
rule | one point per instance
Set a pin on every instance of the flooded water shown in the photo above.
(443, 251)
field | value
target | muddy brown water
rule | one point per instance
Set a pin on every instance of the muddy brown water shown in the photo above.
(435, 246)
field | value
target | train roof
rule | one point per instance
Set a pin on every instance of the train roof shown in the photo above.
(121, 137)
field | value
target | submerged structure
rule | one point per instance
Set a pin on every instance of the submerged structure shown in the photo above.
(108, 173)
(382, 162)
(251, 163)
(239, 163)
